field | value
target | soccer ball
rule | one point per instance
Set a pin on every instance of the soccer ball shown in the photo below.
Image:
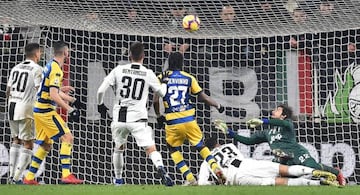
(191, 23)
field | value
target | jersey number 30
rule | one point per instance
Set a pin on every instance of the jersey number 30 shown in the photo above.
(134, 87)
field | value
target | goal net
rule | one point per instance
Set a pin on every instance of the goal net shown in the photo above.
(250, 56)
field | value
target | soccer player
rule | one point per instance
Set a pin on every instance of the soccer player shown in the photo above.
(49, 126)
(132, 83)
(246, 171)
(282, 141)
(23, 82)
(180, 117)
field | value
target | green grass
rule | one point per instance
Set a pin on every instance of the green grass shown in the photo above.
(176, 190)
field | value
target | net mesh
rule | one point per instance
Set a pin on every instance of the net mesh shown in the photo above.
(250, 56)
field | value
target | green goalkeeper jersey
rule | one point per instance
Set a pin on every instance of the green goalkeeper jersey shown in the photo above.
(280, 136)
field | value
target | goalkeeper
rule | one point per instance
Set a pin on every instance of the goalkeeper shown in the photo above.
(282, 141)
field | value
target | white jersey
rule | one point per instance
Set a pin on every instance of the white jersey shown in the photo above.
(23, 80)
(131, 82)
(239, 170)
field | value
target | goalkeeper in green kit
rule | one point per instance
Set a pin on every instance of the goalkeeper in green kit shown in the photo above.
(281, 139)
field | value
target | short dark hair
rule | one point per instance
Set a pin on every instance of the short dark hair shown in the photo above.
(286, 111)
(136, 51)
(211, 142)
(58, 47)
(31, 49)
(176, 61)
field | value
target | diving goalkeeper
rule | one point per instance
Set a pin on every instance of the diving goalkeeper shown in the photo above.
(282, 141)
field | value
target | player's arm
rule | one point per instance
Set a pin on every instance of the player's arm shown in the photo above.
(158, 84)
(108, 81)
(204, 174)
(156, 104)
(196, 90)
(275, 122)
(8, 86)
(66, 97)
(56, 97)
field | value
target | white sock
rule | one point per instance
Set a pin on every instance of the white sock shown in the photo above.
(298, 170)
(14, 154)
(302, 182)
(156, 158)
(23, 162)
(118, 162)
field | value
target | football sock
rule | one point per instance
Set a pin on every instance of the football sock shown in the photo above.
(24, 161)
(302, 182)
(65, 158)
(298, 170)
(329, 169)
(118, 162)
(14, 154)
(156, 158)
(181, 165)
(36, 160)
(206, 154)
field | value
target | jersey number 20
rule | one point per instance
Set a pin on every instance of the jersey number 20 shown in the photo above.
(20, 80)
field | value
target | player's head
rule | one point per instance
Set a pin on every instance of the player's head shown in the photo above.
(227, 14)
(282, 112)
(176, 61)
(137, 52)
(211, 142)
(61, 50)
(33, 52)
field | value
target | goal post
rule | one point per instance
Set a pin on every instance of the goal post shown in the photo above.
(250, 56)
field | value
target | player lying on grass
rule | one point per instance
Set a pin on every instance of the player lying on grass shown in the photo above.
(282, 141)
(246, 171)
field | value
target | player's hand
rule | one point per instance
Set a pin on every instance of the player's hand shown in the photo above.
(67, 89)
(165, 77)
(220, 108)
(102, 109)
(161, 121)
(221, 125)
(74, 115)
(254, 122)
(78, 104)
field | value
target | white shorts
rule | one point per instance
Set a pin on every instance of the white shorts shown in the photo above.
(253, 172)
(23, 129)
(142, 133)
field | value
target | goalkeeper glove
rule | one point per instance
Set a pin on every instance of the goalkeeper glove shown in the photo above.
(102, 109)
(220, 108)
(221, 125)
(161, 121)
(77, 104)
(74, 115)
(254, 122)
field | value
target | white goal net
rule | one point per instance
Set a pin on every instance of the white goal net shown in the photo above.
(248, 55)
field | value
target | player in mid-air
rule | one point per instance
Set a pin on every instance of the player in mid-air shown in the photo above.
(246, 171)
(282, 141)
(49, 126)
(180, 117)
(23, 82)
(130, 115)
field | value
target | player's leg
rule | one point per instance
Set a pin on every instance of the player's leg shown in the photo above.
(310, 162)
(299, 170)
(175, 136)
(26, 134)
(144, 137)
(14, 148)
(195, 137)
(119, 136)
(283, 181)
(56, 128)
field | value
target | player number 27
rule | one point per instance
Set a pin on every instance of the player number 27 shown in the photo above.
(178, 94)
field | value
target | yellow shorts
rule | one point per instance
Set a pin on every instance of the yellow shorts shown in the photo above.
(49, 127)
(176, 134)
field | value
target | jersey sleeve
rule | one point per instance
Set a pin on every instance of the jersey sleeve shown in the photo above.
(10, 79)
(155, 84)
(38, 76)
(256, 138)
(55, 77)
(195, 87)
(110, 78)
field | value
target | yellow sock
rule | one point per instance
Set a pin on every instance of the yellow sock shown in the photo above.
(181, 165)
(36, 160)
(65, 158)
(206, 154)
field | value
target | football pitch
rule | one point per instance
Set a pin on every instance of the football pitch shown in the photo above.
(176, 190)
